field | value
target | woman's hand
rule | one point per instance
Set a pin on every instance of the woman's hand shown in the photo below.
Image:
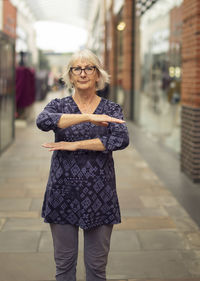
(103, 120)
(62, 145)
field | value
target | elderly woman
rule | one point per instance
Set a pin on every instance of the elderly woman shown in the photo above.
(81, 189)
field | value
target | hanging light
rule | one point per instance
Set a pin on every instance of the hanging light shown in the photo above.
(121, 26)
(171, 71)
(178, 72)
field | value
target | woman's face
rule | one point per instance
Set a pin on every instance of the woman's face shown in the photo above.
(86, 79)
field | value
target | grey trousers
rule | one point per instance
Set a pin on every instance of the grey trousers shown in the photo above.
(96, 249)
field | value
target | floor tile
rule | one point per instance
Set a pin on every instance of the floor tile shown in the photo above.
(19, 241)
(129, 223)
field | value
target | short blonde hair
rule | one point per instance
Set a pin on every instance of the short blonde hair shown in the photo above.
(92, 58)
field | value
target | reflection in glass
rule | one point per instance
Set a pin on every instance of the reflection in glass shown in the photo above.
(6, 91)
(161, 72)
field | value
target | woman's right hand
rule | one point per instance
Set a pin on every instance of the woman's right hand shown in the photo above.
(103, 120)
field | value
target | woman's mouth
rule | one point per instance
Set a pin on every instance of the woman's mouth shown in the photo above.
(82, 82)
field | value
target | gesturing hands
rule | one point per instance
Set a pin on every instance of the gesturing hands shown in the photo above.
(61, 145)
(103, 120)
(94, 144)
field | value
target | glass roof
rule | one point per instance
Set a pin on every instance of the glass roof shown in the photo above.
(75, 12)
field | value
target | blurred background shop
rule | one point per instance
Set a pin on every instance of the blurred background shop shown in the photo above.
(8, 21)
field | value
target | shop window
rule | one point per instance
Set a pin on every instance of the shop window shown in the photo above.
(160, 31)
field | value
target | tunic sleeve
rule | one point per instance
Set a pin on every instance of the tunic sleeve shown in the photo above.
(117, 137)
(48, 119)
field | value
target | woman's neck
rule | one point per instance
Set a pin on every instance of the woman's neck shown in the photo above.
(85, 97)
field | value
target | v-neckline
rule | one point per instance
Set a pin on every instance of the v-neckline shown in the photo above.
(82, 112)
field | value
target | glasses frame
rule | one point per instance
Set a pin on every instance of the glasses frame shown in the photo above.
(83, 69)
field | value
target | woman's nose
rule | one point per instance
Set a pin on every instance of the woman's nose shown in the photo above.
(82, 74)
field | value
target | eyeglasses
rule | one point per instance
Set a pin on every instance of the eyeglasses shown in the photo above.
(78, 70)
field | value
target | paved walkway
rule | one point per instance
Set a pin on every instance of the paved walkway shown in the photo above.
(157, 240)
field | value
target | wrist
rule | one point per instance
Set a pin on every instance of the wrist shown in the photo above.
(87, 117)
(77, 145)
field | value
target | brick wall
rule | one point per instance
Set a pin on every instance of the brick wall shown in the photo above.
(112, 52)
(190, 90)
(137, 73)
(127, 45)
(9, 19)
(127, 55)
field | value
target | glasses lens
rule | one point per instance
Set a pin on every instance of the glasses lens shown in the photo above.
(89, 69)
(76, 70)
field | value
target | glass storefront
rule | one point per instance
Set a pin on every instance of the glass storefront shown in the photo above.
(7, 83)
(160, 35)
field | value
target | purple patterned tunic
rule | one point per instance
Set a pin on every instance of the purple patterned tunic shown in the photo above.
(81, 188)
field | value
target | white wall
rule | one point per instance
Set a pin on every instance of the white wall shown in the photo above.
(96, 29)
(28, 40)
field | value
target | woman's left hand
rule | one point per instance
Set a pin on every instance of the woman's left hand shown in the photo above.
(62, 145)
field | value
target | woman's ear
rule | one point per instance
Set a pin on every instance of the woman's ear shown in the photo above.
(98, 76)
(70, 78)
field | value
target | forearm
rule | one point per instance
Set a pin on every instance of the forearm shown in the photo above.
(68, 120)
(92, 144)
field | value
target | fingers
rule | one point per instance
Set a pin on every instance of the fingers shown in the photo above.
(53, 146)
(47, 145)
(106, 119)
(60, 146)
(104, 124)
(116, 120)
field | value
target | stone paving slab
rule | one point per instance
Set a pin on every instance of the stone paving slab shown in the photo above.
(19, 241)
(36, 192)
(20, 214)
(158, 240)
(146, 223)
(26, 267)
(185, 224)
(36, 204)
(15, 204)
(12, 192)
(30, 267)
(144, 212)
(119, 241)
(158, 201)
(147, 264)
(26, 224)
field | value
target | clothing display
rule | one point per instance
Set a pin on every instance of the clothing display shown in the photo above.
(81, 188)
(25, 86)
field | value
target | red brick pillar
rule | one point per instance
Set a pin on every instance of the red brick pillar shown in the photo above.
(105, 51)
(190, 95)
(127, 54)
(112, 53)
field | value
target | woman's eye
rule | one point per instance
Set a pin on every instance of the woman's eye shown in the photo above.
(88, 68)
(77, 68)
